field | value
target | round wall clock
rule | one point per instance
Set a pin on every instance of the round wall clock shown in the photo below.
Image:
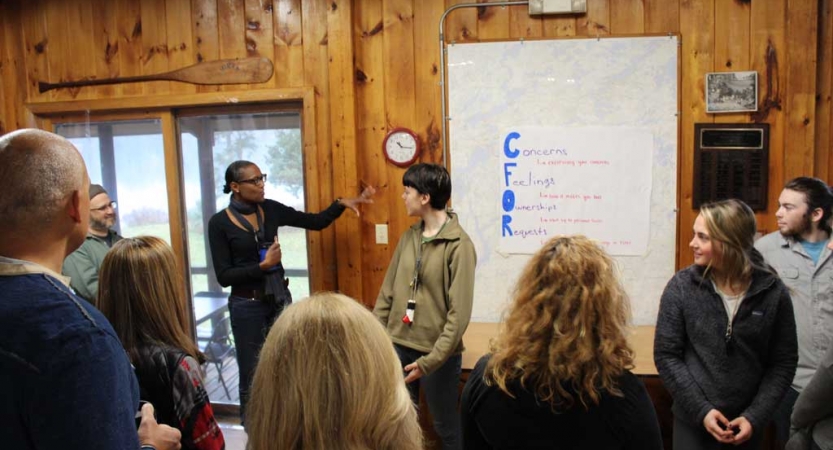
(401, 147)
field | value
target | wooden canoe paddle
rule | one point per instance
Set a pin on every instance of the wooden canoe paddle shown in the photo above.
(223, 71)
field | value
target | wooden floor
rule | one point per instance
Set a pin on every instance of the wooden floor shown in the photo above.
(216, 392)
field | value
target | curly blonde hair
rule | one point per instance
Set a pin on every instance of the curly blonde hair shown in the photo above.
(329, 379)
(566, 329)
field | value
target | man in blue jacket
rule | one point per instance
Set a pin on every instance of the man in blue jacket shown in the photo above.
(65, 379)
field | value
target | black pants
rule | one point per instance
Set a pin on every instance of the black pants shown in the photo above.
(250, 323)
(690, 437)
(781, 418)
(440, 393)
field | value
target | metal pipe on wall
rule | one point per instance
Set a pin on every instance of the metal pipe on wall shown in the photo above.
(443, 117)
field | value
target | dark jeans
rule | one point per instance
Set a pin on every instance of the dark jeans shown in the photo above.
(441, 394)
(250, 323)
(781, 418)
(690, 437)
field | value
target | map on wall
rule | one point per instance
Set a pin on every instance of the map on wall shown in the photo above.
(574, 136)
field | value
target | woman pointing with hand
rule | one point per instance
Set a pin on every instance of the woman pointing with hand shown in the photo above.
(247, 256)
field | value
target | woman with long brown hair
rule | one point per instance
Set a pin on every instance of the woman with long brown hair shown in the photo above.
(725, 343)
(328, 378)
(558, 375)
(142, 295)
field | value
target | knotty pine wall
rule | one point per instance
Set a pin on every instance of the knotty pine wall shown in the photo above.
(373, 65)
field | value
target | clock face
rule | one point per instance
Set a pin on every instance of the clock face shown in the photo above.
(401, 147)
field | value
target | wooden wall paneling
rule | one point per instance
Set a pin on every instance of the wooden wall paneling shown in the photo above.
(260, 39)
(596, 22)
(13, 61)
(627, 17)
(731, 46)
(802, 28)
(492, 21)
(768, 58)
(824, 86)
(522, 25)
(427, 81)
(129, 23)
(560, 25)
(398, 53)
(205, 34)
(318, 165)
(697, 30)
(154, 45)
(81, 46)
(289, 43)
(460, 24)
(370, 132)
(36, 43)
(105, 46)
(662, 16)
(58, 47)
(179, 41)
(349, 236)
(5, 68)
(232, 25)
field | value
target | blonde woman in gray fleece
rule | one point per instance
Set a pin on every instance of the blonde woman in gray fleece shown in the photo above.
(725, 343)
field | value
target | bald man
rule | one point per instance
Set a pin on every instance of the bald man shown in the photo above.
(65, 380)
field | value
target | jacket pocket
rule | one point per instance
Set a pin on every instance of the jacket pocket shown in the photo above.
(790, 273)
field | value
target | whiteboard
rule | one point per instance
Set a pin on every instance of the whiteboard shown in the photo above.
(552, 89)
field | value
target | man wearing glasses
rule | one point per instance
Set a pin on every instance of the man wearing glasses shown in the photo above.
(83, 264)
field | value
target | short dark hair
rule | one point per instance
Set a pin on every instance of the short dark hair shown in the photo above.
(817, 194)
(233, 173)
(430, 179)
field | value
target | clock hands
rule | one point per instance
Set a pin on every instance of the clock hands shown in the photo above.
(402, 146)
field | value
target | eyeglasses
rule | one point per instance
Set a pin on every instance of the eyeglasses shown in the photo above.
(104, 208)
(257, 181)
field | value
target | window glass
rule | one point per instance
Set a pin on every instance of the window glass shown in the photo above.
(128, 159)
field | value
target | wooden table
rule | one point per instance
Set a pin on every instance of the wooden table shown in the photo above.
(478, 335)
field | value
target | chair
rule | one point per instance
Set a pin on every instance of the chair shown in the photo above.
(219, 347)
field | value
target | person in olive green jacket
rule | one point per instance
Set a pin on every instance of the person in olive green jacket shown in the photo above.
(82, 265)
(426, 298)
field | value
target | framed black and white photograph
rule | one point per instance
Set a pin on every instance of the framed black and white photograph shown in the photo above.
(731, 92)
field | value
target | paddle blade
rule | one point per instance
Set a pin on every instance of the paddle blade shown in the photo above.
(225, 71)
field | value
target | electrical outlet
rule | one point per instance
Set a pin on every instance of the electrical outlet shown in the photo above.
(381, 233)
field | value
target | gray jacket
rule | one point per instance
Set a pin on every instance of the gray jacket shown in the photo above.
(813, 411)
(811, 289)
(746, 376)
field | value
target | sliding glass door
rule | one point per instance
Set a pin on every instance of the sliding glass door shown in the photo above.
(127, 155)
(209, 143)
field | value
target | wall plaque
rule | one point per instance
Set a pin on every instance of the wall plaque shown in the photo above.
(731, 161)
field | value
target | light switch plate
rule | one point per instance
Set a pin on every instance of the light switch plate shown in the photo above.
(381, 233)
